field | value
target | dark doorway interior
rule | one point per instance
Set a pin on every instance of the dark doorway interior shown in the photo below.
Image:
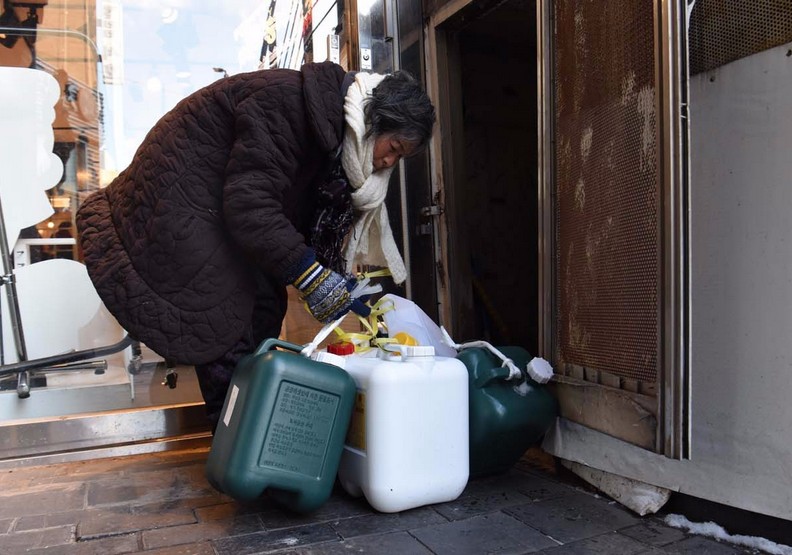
(493, 197)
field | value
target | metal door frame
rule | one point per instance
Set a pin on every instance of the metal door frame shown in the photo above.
(674, 390)
(546, 178)
(675, 335)
(437, 88)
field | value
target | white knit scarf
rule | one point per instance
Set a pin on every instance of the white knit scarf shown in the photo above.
(370, 240)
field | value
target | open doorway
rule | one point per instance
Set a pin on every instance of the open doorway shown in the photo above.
(486, 57)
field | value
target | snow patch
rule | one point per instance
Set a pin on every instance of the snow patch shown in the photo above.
(712, 530)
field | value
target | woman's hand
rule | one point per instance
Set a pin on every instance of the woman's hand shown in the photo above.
(326, 293)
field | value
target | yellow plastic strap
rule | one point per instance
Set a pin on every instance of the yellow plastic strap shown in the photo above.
(376, 273)
(381, 307)
(370, 325)
(360, 340)
(380, 342)
(374, 321)
(366, 340)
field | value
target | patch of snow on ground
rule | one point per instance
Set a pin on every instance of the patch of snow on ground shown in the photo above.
(712, 530)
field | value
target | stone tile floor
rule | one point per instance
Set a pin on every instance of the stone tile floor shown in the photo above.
(161, 504)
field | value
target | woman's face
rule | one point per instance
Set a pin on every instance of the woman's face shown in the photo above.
(388, 150)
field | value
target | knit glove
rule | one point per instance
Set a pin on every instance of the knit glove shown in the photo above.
(326, 293)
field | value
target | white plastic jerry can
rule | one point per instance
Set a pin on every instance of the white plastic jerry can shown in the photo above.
(407, 443)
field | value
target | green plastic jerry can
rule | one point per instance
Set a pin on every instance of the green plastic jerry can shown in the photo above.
(506, 416)
(282, 428)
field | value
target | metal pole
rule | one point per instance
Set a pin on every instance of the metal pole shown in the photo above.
(9, 281)
(675, 399)
(545, 139)
(66, 358)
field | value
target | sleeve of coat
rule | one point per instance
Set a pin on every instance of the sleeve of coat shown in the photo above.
(270, 141)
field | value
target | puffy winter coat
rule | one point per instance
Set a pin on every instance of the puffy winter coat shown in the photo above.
(223, 184)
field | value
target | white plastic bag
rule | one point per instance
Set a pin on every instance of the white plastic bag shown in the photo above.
(407, 317)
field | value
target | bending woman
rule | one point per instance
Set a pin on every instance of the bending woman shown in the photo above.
(256, 182)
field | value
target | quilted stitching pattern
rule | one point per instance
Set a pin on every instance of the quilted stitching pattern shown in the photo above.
(224, 182)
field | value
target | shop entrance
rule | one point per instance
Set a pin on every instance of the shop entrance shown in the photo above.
(487, 98)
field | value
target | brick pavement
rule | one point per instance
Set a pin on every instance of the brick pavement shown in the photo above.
(161, 504)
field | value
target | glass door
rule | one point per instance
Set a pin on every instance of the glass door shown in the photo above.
(97, 75)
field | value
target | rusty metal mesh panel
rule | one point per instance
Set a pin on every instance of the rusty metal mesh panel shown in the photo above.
(607, 199)
(724, 31)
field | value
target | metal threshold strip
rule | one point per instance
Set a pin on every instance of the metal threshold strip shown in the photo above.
(104, 434)
(200, 441)
(80, 417)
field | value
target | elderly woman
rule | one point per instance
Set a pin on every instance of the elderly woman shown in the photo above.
(256, 182)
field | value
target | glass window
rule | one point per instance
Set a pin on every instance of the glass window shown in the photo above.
(118, 66)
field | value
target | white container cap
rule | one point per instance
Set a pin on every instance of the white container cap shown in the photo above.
(410, 351)
(396, 352)
(329, 358)
(540, 370)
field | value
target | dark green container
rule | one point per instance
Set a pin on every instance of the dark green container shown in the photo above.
(506, 416)
(282, 428)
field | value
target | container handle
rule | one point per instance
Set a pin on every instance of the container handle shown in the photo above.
(538, 369)
(307, 350)
(512, 372)
(270, 344)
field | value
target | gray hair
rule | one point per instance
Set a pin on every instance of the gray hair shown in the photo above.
(399, 107)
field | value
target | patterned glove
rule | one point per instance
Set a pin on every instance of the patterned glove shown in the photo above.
(327, 293)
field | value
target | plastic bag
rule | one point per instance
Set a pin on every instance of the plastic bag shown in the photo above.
(408, 318)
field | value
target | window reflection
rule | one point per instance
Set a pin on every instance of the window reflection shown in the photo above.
(121, 65)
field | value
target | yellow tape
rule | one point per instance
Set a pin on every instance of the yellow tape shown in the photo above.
(376, 273)
(368, 339)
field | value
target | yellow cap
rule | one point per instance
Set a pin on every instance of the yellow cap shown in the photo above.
(405, 339)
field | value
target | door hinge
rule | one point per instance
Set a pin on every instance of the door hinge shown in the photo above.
(423, 229)
(433, 210)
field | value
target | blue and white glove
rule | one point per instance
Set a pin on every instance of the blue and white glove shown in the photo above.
(327, 293)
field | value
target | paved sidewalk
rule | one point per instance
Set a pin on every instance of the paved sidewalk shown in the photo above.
(161, 504)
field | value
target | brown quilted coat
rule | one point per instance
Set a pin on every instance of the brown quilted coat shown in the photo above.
(223, 184)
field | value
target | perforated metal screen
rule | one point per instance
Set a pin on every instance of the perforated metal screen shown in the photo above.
(723, 31)
(607, 187)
